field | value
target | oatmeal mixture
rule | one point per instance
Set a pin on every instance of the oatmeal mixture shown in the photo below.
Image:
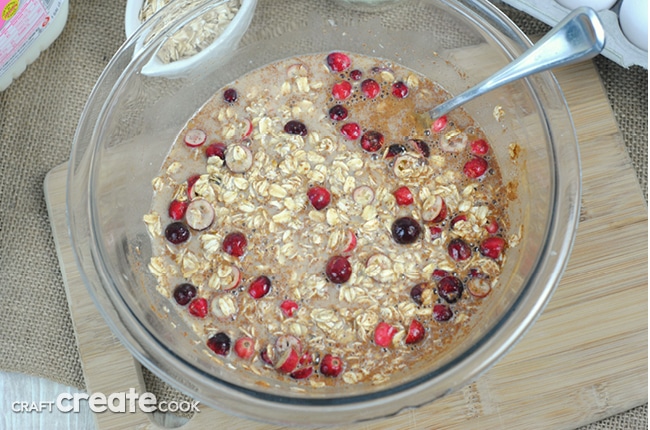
(311, 226)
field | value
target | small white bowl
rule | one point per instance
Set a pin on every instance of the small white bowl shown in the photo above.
(221, 45)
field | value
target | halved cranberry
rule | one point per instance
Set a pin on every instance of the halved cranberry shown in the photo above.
(435, 210)
(217, 149)
(319, 197)
(450, 288)
(338, 61)
(421, 147)
(405, 230)
(288, 307)
(288, 361)
(331, 365)
(295, 127)
(184, 293)
(394, 149)
(438, 274)
(286, 342)
(219, 343)
(384, 334)
(338, 269)
(230, 95)
(400, 90)
(235, 244)
(418, 290)
(479, 147)
(195, 137)
(302, 372)
(479, 286)
(177, 233)
(342, 90)
(338, 113)
(260, 287)
(356, 75)
(475, 168)
(372, 141)
(190, 185)
(459, 250)
(442, 312)
(199, 307)
(370, 88)
(455, 220)
(403, 196)
(351, 131)
(416, 332)
(492, 247)
(439, 124)
(177, 209)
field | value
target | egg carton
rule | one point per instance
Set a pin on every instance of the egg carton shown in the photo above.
(617, 47)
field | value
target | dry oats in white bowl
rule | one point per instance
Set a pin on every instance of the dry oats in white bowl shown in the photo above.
(213, 34)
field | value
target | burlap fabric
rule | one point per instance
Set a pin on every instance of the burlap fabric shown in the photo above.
(38, 116)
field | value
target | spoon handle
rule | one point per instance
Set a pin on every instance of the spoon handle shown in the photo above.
(578, 37)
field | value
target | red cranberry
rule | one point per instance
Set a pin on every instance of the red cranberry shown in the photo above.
(370, 88)
(384, 334)
(403, 196)
(421, 147)
(356, 75)
(184, 293)
(235, 244)
(219, 343)
(450, 288)
(395, 149)
(338, 62)
(245, 347)
(199, 307)
(479, 147)
(177, 209)
(319, 197)
(475, 168)
(400, 90)
(230, 95)
(416, 333)
(372, 141)
(260, 287)
(295, 127)
(338, 269)
(442, 214)
(439, 124)
(338, 113)
(405, 230)
(492, 247)
(177, 232)
(436, 232)
(492, 226)
(459, 250)
(216, 149)
(351, 131)
(442, 312)
(331, 365)
(342, 90)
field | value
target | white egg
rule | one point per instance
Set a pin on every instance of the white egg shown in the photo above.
(594, 4)
(633, 17)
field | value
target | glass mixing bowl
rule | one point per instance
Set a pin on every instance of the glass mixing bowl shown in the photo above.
(131, 119)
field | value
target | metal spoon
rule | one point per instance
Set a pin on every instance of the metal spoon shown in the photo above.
(578, 37)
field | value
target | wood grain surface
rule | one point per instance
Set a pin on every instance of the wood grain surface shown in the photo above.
(584, 359)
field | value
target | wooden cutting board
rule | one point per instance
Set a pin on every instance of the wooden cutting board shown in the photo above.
(585, 358)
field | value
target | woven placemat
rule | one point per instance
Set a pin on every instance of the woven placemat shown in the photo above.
(38, 117)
